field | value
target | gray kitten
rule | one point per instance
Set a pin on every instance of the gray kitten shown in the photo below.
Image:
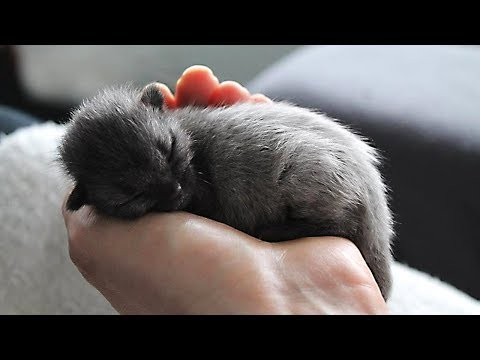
(274, 171)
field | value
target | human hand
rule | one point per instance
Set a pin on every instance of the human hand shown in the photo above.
(179, 263)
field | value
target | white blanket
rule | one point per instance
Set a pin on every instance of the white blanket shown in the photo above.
(37, 276)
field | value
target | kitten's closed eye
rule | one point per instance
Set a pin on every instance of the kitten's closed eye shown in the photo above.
(172, 148)
(128, 189)
(135, 196)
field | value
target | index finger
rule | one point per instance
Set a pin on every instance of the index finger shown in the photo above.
(195, 86)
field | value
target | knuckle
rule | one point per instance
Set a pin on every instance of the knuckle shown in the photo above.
(355, 275)
(351, 266)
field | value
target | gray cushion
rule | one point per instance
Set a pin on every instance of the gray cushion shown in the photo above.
(11, 119)
(421, 106)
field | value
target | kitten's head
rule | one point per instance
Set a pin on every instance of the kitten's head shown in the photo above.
(127, 155)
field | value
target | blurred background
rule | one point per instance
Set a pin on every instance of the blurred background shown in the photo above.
(51, 78)
(420, 105)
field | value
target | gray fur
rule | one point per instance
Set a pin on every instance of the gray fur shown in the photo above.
(274, 171)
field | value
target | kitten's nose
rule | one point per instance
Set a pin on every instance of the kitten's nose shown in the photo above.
(167, 191)
(177, 189)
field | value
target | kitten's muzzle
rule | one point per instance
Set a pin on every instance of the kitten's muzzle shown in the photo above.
(177, 197)
(177, 192)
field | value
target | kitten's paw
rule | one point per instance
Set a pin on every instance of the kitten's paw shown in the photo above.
(77, 198)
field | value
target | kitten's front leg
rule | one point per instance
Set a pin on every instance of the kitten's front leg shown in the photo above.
(77, 198)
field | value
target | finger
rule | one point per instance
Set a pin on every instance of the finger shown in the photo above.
(195, 86)
(229, 93)
(259, 98)
(83, 244)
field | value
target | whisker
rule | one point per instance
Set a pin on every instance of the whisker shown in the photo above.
(201, 178)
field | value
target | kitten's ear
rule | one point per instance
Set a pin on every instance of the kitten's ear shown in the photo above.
(77, 198)
(152, 95)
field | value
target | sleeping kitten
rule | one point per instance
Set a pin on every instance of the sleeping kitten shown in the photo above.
(274, 171)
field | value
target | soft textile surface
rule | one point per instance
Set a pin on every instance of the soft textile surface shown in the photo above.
(37, 276)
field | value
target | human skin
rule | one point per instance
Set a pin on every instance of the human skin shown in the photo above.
(180, 263)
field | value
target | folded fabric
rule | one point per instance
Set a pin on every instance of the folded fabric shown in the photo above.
(37, 276)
